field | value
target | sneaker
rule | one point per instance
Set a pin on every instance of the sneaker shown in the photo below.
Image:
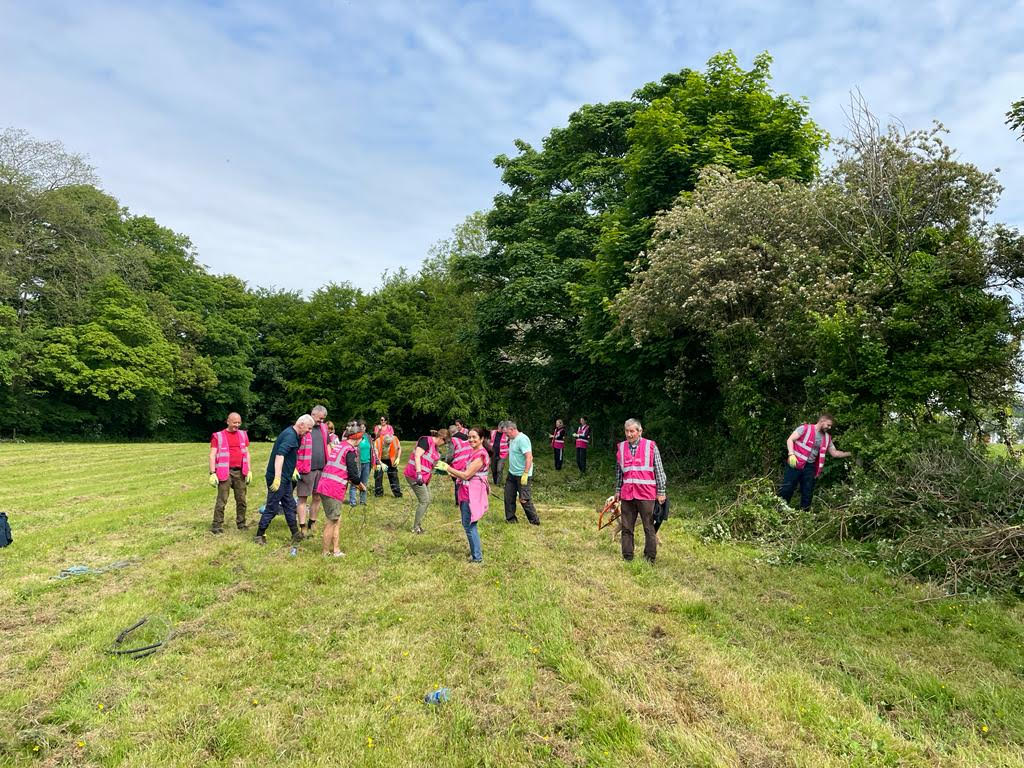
(243, 527)
(338, 554)
(512, 520)
(535, 522)
(258, 539)
(417, 529)
(216, 530)
(477, 562)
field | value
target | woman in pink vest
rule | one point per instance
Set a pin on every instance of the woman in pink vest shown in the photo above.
(341, 469)
(807, 446)
(383, 428)
(639, 481)
(471, 488)
(230, 471)
(582, 435)
(558, 443)
(420, 469)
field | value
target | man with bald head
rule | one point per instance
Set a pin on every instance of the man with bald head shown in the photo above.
(230, 471)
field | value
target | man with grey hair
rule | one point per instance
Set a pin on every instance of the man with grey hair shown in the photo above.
(281, 473)
(312, 459)
(520, 470)
(639, 481)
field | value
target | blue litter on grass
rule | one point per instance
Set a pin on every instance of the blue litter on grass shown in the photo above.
(440, 696)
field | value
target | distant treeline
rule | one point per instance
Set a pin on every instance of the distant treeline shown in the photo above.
(681, 256)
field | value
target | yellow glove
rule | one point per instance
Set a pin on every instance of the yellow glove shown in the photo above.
(441, 466)
(248, 477)
(214, 482)
(525, 480)
(295, 476)
(792, 461)
(276, 485)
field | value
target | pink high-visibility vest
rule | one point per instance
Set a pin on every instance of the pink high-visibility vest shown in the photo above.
(223, 460)
(387, 429)
(426, 461)
(304, 460)
(638, 479)
(461, 449)
(502, 444)
(558, 440)
(334, 477)
(804, 444)
(583, 436)
(482, 475)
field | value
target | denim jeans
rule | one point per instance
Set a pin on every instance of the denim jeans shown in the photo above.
(804, 477)
(364, 478)
(472, 533)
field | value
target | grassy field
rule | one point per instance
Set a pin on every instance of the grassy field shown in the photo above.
(555, 650)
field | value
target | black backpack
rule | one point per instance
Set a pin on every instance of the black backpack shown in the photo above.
(5, 530)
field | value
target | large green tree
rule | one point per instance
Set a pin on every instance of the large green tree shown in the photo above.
(578, 215)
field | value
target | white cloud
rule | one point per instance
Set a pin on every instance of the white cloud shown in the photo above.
(329, 143)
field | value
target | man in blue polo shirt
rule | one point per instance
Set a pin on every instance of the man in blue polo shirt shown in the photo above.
(280, 476)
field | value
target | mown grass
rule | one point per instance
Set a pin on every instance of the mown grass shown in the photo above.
(556, 652)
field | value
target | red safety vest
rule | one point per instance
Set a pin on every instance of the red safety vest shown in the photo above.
(304, 460)
(334, 477)
(426, 461)
(558, 439)
(583, 436)
(804, 444)
(223, 459)
(638, 478)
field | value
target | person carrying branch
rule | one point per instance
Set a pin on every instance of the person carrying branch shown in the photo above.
(807, 446)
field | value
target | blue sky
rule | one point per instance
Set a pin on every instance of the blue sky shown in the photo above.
(297, 147)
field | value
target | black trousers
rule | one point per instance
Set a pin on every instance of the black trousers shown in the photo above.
(804, 478)
(513, 487)
(559, 457)
(631, 509)
(378, 481)
(581, 459)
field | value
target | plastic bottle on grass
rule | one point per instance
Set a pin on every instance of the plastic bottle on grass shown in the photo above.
(440, 696)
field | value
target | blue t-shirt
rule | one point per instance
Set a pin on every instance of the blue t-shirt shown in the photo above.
(517, 450)
(287, 445)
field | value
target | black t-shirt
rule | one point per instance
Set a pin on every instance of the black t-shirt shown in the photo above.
(424, 444)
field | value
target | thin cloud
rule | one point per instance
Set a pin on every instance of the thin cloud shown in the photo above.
(329, 141)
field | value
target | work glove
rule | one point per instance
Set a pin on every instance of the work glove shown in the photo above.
(792, 461)
(441, 466)
(295, 476)
(524, 480)
(276, 485)
(214, 482)
(248, 477)
(419, 478)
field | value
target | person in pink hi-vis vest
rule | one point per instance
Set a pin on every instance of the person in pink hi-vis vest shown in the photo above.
(230, 471)
(639, 481)
(472, 487)
(807, 445)
(312, 459)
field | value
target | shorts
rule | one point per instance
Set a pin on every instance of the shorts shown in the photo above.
(332, 508)
(307, 483)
